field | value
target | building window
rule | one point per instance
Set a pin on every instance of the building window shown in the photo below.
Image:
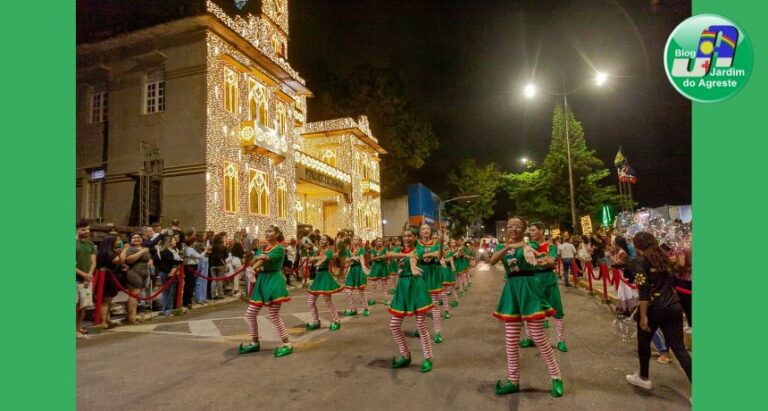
(94, 199)
(258, 192)
(258, 103)
(282, 198)
(282, 119)
(300, 215)
(154, 92)
(99, 103)
(230, 187)
(329, 157)
(230, 91)
(277, 45)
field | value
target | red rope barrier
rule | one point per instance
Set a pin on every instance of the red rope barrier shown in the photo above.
(683, 291)
(588, 274)
(591, 270)
(180, 286)
(604, 274)
(229, 277)
(574, 272)
(625, 281)
(151, 297)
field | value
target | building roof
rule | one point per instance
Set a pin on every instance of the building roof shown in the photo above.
(359, 128)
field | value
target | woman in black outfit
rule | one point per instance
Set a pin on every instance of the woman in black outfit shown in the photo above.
(108, 259)
(167, 266)
(659, 306)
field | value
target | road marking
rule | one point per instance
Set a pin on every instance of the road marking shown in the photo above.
(204, 328)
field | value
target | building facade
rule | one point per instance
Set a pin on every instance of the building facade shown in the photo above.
(197, 115)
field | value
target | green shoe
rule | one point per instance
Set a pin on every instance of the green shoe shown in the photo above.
(391, 290)
(350, 313)
(371, 302)
(557, 387)
(508, 388)
(527, 342)
(249, 349)
(312, 326)
(562, 347)
(335, 326)
(426, 365)
(366, 313)
(546, 323)
(438, 338)
(454, 303)
(446, 315)
(416, 334)
(386, 302)
(283, 350)
(401, 362)
(461, 294)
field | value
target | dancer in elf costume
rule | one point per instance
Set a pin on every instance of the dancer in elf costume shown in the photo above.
(547, 278)
(448, 271)
(462, 264)
(324, 285)
(521, 300)
(269, 290)
(393, 265)
(356, 277)
(428, 253)
(379, 270)
(411, 298)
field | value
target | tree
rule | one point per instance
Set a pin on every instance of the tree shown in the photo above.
(470, 178)
(401, 128)
(545, 194)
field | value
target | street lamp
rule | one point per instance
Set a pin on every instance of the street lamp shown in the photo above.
(524, 160)
(530, 91)
(467, 198)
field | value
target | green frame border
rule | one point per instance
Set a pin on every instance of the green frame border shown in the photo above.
(39, 352)
(729, 151)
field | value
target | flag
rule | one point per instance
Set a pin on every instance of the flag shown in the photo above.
(619, 160)
(627, 174)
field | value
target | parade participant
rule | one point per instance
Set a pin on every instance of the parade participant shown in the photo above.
(379, 270)
(448, 279)
(428, 253)
(356, 278)
(393, 267)
(324, 285)
(411, 298)
(268, 290)
(547, 279)
(521, 300)
(659, 306)
(462, 264)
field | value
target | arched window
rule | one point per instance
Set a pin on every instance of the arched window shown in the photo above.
(230, 90)
(282, 198)
(258, 192)
(282, 119)
(329, 157)
(258, 103)
(230, 187)
(300, 215)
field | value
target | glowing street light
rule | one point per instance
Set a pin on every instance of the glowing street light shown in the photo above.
(601, 78)
(530, 91)
(524, 160)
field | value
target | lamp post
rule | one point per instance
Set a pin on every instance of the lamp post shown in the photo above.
(467, 198)
(530, 91)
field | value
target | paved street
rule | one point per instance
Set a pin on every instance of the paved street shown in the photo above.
(191, 363)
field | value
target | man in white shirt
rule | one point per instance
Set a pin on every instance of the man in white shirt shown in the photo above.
(566, 251)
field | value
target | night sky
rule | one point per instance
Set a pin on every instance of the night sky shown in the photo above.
(466, 62)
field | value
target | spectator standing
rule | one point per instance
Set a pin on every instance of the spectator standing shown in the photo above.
(168, 267)
(218, 263)
(138, 259)
(108, 259)
(567, 251)
(178, 233)
(85, 256)
(191, 262)
(234, 263)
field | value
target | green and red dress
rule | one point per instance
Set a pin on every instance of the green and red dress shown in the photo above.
(393, 262)
(548, 279)
(447, 273)
(324, 283)
(379, 268)
(269, 287)
(430, 267)
(521, 298)
(411, 295)
(356, 278)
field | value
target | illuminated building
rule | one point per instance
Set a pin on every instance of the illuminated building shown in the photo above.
(190, 110)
